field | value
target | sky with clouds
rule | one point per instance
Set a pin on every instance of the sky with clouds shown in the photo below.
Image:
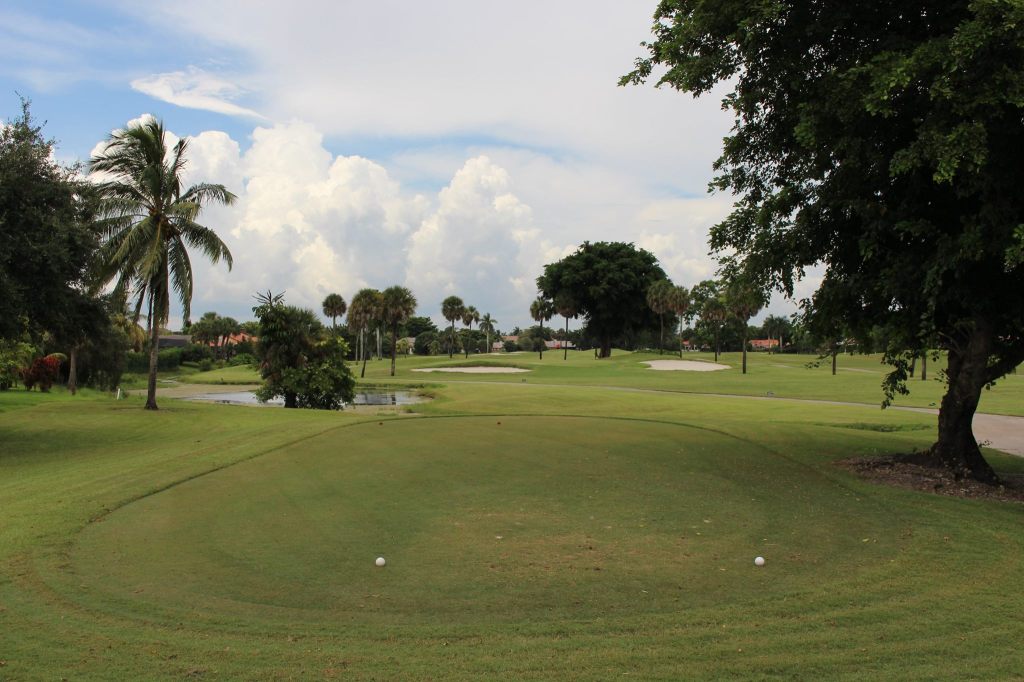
(453, 147)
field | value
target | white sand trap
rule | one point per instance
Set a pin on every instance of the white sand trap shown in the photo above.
(476, 370)
(684, 366)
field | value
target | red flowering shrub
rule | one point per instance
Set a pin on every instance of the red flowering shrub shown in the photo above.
(42, 373)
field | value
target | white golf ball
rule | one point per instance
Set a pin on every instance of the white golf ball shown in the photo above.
(759, 561)
(380, 561)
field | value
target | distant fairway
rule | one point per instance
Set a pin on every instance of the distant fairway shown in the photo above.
(532, 531)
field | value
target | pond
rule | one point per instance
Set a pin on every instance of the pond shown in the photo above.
(362, 397)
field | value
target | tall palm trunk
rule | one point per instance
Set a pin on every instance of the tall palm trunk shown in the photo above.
(542, 339)
(661, 343)
(565, 343)
(394, 347)
(451, 342)
(924, 366)
(745, 350)
(363, 372)
(154, 350)
(717, 346)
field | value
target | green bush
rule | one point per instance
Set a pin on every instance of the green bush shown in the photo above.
(205, 365)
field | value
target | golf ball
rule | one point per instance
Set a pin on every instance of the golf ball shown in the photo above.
(380, 561)
(759, 561)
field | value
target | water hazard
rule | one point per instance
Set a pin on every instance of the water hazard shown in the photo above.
(364, 397)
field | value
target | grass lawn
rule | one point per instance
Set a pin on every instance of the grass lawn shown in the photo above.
(543, 532)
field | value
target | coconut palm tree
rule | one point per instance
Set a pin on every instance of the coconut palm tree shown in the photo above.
(397, 305)
(566, 307)
(659, 299)
(487, 325)
(469, 316)
(452, 308)
(148, 222)
(334, 307)
(679, 303)
(541, 310)
(362, 312)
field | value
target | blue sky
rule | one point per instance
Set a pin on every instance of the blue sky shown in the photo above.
(453, 147)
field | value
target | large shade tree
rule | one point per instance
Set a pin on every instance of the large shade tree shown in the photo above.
(397, 305)
(148, 221)
(47, 244)
(882, 140)
(609, 282)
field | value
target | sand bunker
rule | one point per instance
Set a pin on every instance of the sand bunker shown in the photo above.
(684, 366)
(476, 370)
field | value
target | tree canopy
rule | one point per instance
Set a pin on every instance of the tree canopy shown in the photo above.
(47, 242)
(881, 140)
(608, 282)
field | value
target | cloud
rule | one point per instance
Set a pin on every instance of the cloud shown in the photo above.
(195, 89)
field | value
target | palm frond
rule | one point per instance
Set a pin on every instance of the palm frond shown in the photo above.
(206, 240)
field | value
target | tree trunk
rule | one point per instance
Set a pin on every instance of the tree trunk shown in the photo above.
(924, 366)
(565, 344)
(291, 400)
(834, 354)
(661, 342)
(717, 347)
(394, 347)
(154, 349)
(73, 370)
(606, 347)
(363, 372)
(744, 350)
(451, 342)
(542, 340)
(680, 337)
(913, 366)
(968, 373)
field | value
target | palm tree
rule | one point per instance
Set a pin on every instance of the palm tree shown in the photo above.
(679, 303)
(744, 301)
(364, 309)
(148, 223)
(541, 310)
(486, 325)
(397, 305)
(659, 299)
(566, 307)
(775, 327)
(714, 313)
(452, 309)
(469, 316)
(334, 307)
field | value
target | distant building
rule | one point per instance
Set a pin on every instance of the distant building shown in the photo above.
(174, 340)
(555, 344)
(764, 344)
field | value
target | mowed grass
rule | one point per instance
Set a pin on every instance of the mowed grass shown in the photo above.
(858, 379)
(541, 532)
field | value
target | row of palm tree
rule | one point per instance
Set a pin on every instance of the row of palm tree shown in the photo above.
(372, 309)
(664, 297)
(454, 309)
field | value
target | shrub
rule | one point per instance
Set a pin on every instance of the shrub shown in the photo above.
(241, 359)
(43, 372)
(205, 365)
(14, 357)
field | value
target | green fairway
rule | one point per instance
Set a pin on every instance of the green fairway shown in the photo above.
(535, 532)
